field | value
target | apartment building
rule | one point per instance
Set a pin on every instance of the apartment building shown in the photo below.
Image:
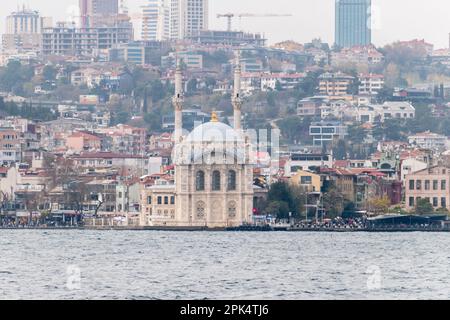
(335, 84)
(370, 84)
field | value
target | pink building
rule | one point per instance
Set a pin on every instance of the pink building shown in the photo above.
(83, 141)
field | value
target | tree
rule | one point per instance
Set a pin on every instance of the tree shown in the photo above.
(49, 73)
(280, 209)
(333, 203)
(424, 207)
(278, 86)
(380, 205)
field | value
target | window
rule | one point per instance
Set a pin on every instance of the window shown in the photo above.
(166, 200)
(200, 210)
(427, 184)
(443, 184)
(306, 180)
(231, 180)
(419, 185)
(444, 202)
(149, 200)
(411, 184)
(411, 201)
(200, 181)
(159, 200)
(435, 184)
(216, 181)
(172, 200)
(435, 202)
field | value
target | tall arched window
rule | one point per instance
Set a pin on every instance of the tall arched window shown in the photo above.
(200, 181)
(231, 180)
(216, 181)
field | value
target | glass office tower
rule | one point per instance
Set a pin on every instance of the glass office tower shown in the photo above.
(353, 25)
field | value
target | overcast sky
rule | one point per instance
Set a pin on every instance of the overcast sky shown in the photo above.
(393, 19)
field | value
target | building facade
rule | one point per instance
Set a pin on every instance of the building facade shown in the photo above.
(23, 30)
(95, 13)
(67, 40)
(431, 184)
(353, 25)
(156, 20)
(213, 185)
(188, 18)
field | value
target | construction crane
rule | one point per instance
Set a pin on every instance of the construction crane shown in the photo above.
(230, 16)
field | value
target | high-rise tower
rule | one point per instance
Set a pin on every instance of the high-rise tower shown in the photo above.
(353, 23)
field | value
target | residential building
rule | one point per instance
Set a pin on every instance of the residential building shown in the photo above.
(188, 18)
(326, 131)
(24, 30)
(388, 110)
(306, 161)
(335, 84)
(353, 23)
(158, 201)
(156, 20)
(429, 140)
(370, 84)
(81, 141)
(10, 146)
(342, 180)
(307, 181)
(311, 107)
(286, 81)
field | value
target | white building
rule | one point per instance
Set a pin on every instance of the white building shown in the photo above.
(187, 18)
(411, 165)
(370, 84)
(213, 174)
(24, 30)
(305, 161)
(156, 20)
(429, 140)
(383, 112)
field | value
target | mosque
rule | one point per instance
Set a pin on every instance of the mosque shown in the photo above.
(213, 183)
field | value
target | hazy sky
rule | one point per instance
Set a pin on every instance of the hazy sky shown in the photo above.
(393, 19)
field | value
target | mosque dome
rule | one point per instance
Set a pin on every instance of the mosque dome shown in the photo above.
(214, 131)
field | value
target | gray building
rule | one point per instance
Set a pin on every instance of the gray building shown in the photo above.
(68, 40)
(353, 25)
(96, 13)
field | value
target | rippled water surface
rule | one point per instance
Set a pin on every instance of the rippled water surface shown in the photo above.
(37, 264)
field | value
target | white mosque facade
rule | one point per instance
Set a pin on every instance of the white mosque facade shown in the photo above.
(213, 185)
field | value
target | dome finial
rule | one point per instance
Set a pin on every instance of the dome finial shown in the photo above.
(214, 117)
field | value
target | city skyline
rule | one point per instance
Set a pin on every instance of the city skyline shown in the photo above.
(416, 21)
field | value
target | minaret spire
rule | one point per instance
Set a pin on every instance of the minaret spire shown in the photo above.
(178, 100)
(236, 100)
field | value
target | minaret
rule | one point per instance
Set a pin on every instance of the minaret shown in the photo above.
(178, 100)
(236, 100)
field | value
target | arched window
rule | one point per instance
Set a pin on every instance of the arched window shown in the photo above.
(216, 181)
(231, 180)
(200, 181)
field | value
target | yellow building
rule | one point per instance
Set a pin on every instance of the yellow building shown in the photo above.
(308, 181)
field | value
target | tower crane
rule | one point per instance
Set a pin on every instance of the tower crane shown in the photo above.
(230, 16)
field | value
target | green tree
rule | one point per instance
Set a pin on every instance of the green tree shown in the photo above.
(424, 207)
(49, 73)
(280, 209)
